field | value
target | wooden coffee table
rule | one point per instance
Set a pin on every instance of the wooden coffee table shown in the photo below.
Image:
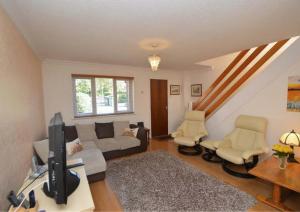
(288, 178)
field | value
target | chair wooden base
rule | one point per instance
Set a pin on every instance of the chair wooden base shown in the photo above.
(186, 150)
(211, 156)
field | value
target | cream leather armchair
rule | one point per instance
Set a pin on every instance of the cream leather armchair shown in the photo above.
(244, 144)
(190, 133)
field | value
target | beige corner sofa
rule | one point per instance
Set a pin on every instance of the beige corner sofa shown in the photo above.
(101, 142)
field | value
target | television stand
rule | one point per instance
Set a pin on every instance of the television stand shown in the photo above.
(80, 200)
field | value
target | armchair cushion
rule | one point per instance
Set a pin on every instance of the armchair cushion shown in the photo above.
(178, 133)
(197, 137)
(195, 115)
(231, 155)
(249, 153)
(193, 128)
(253, 123)
(226, 143)
(210, 144)
(185, 141)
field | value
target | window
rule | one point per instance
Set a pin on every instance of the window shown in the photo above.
(102, 95)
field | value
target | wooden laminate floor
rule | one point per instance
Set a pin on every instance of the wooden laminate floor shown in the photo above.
(106, 200)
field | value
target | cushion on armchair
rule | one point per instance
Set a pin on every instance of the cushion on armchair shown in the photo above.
(210, 144)
(245, 141)
(232, 155)
(186, 141)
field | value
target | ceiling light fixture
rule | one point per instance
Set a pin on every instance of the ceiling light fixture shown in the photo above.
(154, 60)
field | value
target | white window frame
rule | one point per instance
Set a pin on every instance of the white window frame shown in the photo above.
(93, 90)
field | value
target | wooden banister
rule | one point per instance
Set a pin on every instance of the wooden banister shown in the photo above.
(245, 77)
(236, 60)
(241, 68)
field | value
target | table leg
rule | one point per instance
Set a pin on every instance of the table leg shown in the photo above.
(276, 197)
(275, 201)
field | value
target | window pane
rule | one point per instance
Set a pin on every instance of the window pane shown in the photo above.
(83, 88)
(122, 95)
(104, 95)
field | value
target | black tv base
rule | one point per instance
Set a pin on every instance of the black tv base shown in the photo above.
(72, 182)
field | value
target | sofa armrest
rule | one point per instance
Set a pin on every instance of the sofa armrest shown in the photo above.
(142, 136)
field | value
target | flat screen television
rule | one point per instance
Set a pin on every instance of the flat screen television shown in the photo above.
(62, 182)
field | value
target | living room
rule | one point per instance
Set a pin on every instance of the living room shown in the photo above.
(130, 75)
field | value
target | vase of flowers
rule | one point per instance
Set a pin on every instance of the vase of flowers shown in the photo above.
(282, 152)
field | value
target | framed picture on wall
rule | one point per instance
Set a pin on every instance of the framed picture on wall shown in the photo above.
(293, 101)
(174, 89)
(196, 90)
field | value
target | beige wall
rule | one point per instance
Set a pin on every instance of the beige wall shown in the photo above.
(21, 107)
(58, 91)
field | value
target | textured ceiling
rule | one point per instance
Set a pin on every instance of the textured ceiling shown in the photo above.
(108, 31)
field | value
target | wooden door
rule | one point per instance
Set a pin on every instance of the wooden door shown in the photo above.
(159, 107)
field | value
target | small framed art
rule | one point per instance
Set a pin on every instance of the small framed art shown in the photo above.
(174, 89)
(196, 90)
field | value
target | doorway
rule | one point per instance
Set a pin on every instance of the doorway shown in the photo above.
(159, 107)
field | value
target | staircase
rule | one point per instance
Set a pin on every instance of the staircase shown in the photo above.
(238, 72)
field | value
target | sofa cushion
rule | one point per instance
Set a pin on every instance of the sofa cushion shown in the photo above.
(74, 146)
(127, 142)
(108, 144)
(132, 132)
(70, 133)
(86, 132)
(42, 149)
(89, 145)
(93, 160)
(104, 130)
(119, 127)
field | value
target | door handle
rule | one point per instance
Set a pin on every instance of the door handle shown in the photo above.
(166, 107)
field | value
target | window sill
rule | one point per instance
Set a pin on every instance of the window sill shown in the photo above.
(101, 115)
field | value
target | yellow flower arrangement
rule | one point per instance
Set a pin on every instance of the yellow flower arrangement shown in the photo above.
(282, 150)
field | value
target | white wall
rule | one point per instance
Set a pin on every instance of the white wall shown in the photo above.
(264, 95)
(58, 91)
